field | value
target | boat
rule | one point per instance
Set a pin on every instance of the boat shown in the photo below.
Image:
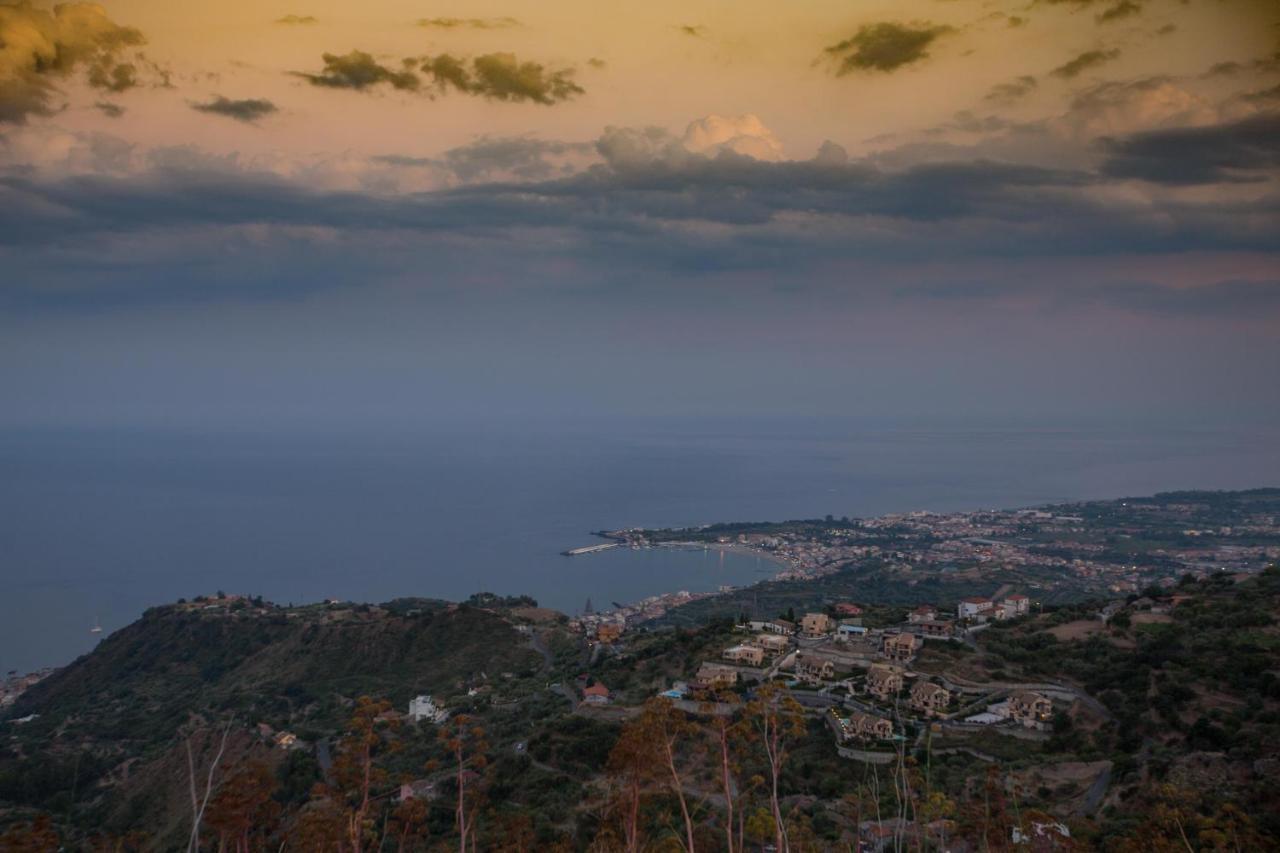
(97, 627)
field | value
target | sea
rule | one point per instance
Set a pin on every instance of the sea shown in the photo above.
(98, 525)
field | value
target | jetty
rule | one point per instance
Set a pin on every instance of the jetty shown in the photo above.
(589, 549)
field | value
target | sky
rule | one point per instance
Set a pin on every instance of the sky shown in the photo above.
(243, 215)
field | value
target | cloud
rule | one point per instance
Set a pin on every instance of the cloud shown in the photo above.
(297, 20)
(359, 70)
(1119, 11)
(745, 135)
(39, 47)
(468, 23)
(695, 30)
(1015, 90)
(1243, 150)
(502, 77)
(497, 76)
(1083, 62)
(1121, 107)
(247, 110)
(109, 109)
(885, 46)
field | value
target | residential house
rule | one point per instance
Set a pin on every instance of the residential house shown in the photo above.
(845, 609)
(901, 646)
(870, 727)
(814, 669)
(936, 629)
(859, 726)
(775, 626)
(884, 682)
(1017, 605)
(923, 613)
(596, 694)
(286, 740)
(712, 676)
(974, 608)
(930, 699)
(1033, 710)
(815, 625)
(850, 629)
(743, 654)
(772, 644)
(424, 708)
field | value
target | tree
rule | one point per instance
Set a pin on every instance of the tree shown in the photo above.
(244, 807)
(727, 733)
(465, 741)
(356, 774)
(670, 732)
(200, 800)
(777, 720)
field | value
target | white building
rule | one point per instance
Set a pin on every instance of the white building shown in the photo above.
(973, 608)
(424, 708)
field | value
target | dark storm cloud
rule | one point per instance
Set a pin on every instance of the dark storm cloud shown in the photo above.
(1015, 90)
(359, 70)
(297, 20)
(468, 23)
(247, 110)
(1237, 151)
(1085, 61)
(496, 76)
(885, 46)
(39, 47)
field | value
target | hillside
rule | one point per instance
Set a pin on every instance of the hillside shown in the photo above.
(1165, 723)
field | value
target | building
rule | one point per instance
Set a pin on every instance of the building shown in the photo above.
(1033, 710)
(774, 626)
(815, 625)
(772, 644)
(884, 682)
(596, 694)
(424, 708)
(609, 632)
(901, 646)
(845, 609)
(1016, 605)
(286, 740)
(813, 669)
(746, 655)
(871, 727)
(846, 631)
(974, 608)
(859, 726)
(712, 676)
(924, 613)
(936, 629)
(930, 699)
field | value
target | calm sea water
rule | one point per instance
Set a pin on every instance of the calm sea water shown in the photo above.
(98, 526)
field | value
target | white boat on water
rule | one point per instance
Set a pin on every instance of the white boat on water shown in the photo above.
(97, 627)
